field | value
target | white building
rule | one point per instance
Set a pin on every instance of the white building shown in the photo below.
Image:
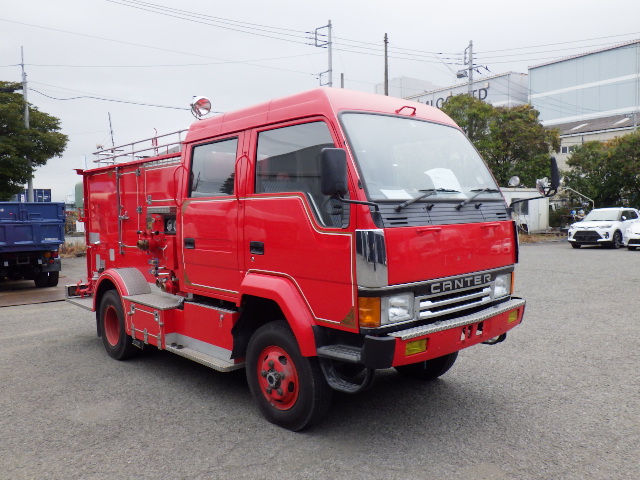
(587, 97)
(405, 87)
(531, 216)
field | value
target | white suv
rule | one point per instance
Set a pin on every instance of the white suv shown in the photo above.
(631, 236)
(602, 226)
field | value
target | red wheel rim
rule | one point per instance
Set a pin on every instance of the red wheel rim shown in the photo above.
(112, 325)
(278, 378)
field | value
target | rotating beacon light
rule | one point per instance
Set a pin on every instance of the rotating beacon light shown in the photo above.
(200, 106)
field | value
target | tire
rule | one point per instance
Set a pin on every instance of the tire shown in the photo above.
(52, 281)
(429, 369)
(114, 335)
(616, 242)
(299, 398)
(631, 248)
(576, 245)
(41, 280)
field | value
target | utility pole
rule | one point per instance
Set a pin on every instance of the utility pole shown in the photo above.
(328, 45)
(470, 63)
(386, 66)
(26, 125)
(113, 143)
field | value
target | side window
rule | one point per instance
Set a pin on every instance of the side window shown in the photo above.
(213, 169)
(289, 158)
(521, 208)
(628, 215)
(289, 161)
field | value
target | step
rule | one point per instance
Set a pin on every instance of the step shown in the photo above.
(84, 302)
(344, 353)
(204, 359)
(159, 301)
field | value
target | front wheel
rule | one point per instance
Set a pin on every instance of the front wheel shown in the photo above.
(114, 335)
(616, 242)
(429, 369)
(631, 247)
(576, 245)
(290, 389)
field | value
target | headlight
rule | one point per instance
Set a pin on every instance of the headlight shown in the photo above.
(502, 286)
(397, 308)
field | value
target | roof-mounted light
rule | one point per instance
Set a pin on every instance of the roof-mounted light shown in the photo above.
(200, 106)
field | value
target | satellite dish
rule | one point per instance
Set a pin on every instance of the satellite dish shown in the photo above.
(514, 181)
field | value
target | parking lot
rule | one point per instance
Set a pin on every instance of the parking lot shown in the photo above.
(559, 399)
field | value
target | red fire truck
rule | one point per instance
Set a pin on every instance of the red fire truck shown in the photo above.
(311, 240)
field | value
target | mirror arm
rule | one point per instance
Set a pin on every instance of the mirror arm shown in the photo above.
(358, 202)
(375, 215)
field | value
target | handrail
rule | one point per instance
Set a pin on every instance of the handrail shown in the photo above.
(134, 150)
(593, 204)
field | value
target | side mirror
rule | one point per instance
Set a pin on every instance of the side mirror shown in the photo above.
(546, 187)
(555, 175)
(333, 172)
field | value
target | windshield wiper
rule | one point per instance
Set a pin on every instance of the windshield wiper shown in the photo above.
(426, 194)
(472, 197)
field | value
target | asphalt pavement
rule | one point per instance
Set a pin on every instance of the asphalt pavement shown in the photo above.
(559, 399)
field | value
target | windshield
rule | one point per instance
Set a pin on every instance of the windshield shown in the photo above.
(401, 158)
(602, 216)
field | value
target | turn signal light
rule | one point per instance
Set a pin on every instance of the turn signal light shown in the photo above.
(369, 312)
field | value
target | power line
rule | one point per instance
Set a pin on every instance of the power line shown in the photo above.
(214, 21)
(563, 43)
(152, 47)
(226, 62)
(111, 100)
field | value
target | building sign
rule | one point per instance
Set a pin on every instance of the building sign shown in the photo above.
(439, 102)
(500, 90)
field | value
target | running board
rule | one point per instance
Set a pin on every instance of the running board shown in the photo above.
(204, 359)
(84, 302)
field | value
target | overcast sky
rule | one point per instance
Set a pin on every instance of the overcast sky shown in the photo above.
(239, 53)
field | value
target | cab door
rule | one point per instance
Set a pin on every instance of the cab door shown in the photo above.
(292, 230)
(209, 220)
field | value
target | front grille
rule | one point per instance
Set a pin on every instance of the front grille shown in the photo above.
(441, 213)
(634, 241)
(432, 306)
(586, 236)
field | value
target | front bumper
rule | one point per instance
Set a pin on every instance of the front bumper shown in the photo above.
(590, 237)
(440, 338)
(632, 240)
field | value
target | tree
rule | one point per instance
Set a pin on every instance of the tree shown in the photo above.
(512, 141)
(40, 142)
(472, 116)
(607, 172)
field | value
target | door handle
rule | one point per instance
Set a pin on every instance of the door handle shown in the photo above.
(190, 243)
(256, 248)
